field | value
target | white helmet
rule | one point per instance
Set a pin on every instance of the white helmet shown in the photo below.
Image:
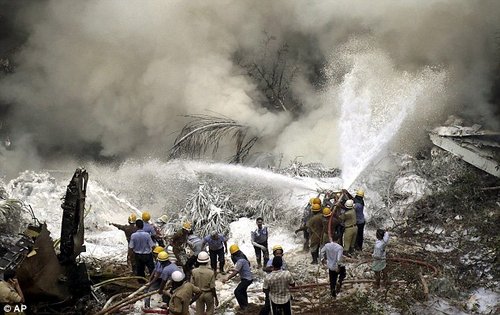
(170, 249)
(177, 276)
(349, 204)
(203, 257)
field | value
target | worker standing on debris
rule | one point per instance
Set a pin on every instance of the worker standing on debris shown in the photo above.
(179, 240)
(259, 241)
(359, 206)
(278, 284)
(150, 228)
(204, 278)
(217, 245)
(307, 215)
(315, 226)
(277, 252)
(128, 230)
(182, 294)
(142, 245)
(332, 253)
(379, 258)
(155, 278)
(166, 274)
(10, 291)
(194, 243)
(327, 213)
(241, 267)
(349, 219)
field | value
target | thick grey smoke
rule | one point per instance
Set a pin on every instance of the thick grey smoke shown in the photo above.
(116, 75)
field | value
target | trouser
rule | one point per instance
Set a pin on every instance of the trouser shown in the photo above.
(131, 259)
(359, 236)
(188, 267)
(205, 304)
(314, 248)
(153, 287)
(142, 261)
(384, 275)
(350, 238)
(281, 309)
(241, 292)
(340, 232)
(341, 274)
(217, 255)
(306, 239)
(265, 253)
(266, 309)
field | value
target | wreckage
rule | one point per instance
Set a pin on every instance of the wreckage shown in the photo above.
(480, 148)
(43, 274)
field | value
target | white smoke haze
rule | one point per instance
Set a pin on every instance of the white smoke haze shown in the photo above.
(119, 74)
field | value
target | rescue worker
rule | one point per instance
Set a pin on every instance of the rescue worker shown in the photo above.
(379, 258)
(241, 267)
(217, 245)
(150, 228)
(155, 278)
(203, 277)
(327, 213)
(315, 226)
(179, 240)
(195, 245)
(171, 255)
(259, 239)
(142, 245)
(277, 284)
(349, 219)
(307, 215)
(156, 251)
(359, 206)
(277, 252)
(128, 230)
(161, 227)
(10, 291)
(166, 275)
(332, 254)
(182, 294)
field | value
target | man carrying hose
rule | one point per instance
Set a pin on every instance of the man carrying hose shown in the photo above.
(315, 226)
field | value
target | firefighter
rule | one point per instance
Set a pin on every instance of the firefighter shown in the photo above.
(315, 226)
(128, 230)
(359, 206)
(307, 215)
(241, 267)
(349, 219)
(204, 278)
(142, 245)
(179, 241)
(155, 278)
(182, 294)
(151, 229)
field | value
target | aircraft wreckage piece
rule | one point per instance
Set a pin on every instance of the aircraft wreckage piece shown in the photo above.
(43, 275)
(476, 147)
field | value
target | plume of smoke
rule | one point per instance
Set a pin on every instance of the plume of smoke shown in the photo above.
(118, 77)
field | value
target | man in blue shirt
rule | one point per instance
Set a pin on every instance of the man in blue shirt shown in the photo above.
(359, 206)
(166, 274)
(259, 241)
(216, 244)
(142, 245)
(241, 267)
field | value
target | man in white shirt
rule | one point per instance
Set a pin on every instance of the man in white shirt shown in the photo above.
(379, 260)
(332, 254)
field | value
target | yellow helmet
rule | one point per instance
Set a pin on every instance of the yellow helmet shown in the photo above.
(162, 256)
(186, 226)
(315, 207)
(158, 249)
(233, 248)
(277, 247)
(132, 218)
(360, 193)
(146, 216)
(327, 212)
(316, 201)
(311, 201)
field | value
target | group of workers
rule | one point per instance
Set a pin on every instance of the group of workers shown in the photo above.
(333, 227)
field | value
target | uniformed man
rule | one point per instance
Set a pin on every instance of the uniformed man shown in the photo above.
(359, 207)
(241, 267)
(217, 245)
(349, 219)
(315, 226)
(179, 240)
(166, 275)
(128, 230)
(155, 278)
(142, 245)
(182, 294)
(204, 278)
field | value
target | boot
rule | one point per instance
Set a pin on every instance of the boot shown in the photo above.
(338, 287)
(315, 258)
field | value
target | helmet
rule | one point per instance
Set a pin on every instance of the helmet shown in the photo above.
(214, 233)
(172, 258)
(327, 212)
(158, 249)
(146, 216)
(311, 201)
(277, 247)
(233, 248)
(186, 226)
(203, 257)
(170, 249)
(163, 218)
(360, 193)
(162, 256)
(316, 201)
(132, 218)
(177, 276)
(315, 207)
(349, 204)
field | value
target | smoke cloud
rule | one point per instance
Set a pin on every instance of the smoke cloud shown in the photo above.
(114, 77)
